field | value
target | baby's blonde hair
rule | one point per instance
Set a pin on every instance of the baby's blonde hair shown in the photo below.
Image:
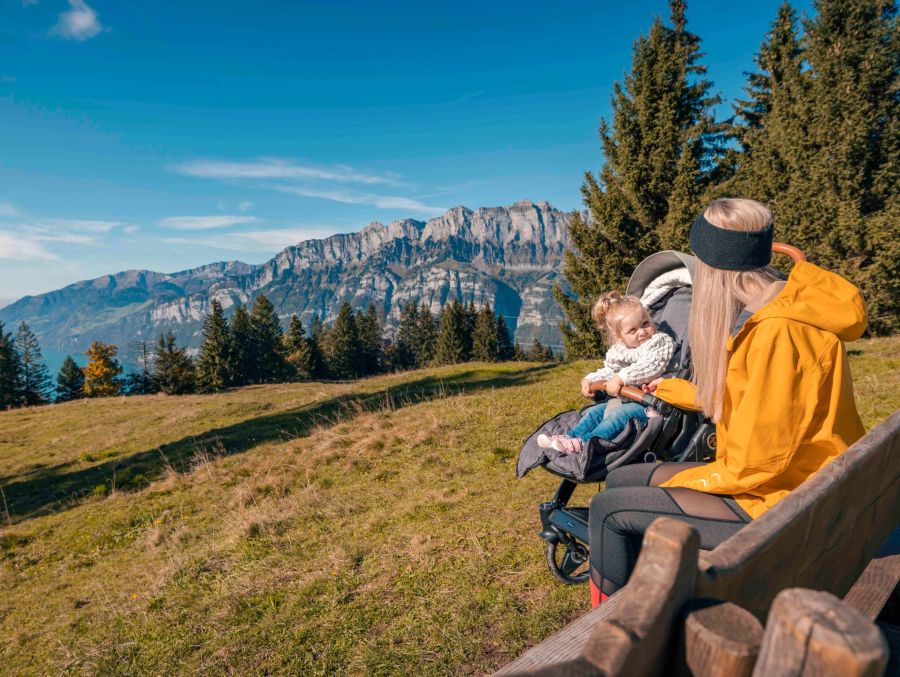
(611, 307)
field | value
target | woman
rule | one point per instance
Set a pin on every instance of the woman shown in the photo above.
(769, 368)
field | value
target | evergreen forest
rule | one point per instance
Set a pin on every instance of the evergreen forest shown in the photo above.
(252, 348)
(816, 137)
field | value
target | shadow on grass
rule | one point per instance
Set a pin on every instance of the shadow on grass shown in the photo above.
(57, 488)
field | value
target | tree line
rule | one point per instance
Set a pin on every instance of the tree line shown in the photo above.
(817, 138)
(251, 347)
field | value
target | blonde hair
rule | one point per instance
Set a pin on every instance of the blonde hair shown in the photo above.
(718, 298)
(611, 307)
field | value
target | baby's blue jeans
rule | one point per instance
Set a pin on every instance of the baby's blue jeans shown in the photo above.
(595, 422)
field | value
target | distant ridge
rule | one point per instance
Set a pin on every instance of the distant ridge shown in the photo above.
(509, 257)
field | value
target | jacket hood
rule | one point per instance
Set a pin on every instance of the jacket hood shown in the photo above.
(819, 298)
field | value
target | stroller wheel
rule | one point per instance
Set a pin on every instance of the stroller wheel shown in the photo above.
(568, 561)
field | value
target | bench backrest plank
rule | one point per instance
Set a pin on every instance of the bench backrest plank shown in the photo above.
(820, 537)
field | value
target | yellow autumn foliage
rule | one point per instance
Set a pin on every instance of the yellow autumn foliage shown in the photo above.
(101, 373)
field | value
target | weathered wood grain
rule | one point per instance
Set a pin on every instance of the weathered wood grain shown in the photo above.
(813, 633)
(719, 639)
(873, 588)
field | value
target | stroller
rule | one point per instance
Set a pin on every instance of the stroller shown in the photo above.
(663, 281)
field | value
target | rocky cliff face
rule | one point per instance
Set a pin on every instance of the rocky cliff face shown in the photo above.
(506, 256)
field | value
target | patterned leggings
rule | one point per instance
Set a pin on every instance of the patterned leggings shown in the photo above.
(620, 515)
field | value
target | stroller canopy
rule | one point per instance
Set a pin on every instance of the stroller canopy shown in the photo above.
(663, 282)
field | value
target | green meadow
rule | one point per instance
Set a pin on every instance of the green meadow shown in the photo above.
(374, 527)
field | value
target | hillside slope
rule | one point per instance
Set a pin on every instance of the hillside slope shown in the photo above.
(359, 528)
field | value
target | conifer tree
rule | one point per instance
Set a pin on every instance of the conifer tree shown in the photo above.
(404, 354)
(505, 349)
(268, 360)
(317, 361)
(822, 146)
(343, 345)
(771, 126)
(470, 315)
(540, 353)
(214, 361)
(450, 346)
(69, 381)
(485, 344)
(519, 355)
(241, 364)
(174, 368)
(35, 379)
(142, 382)
(853, 50)
(297, 351)
(101, 375)
(369, 337)
(662, 150)
(425, 338)
(10, 372)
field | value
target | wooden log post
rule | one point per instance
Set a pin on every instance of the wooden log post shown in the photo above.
(635, 638)
(720, 639)
(813, 633)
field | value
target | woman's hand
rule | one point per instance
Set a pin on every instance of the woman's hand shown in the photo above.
(651, 387)
(586, 388)
(614, 385)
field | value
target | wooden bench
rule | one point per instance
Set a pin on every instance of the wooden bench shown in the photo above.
(833, 534)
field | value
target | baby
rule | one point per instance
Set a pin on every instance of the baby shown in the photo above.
(639, 354)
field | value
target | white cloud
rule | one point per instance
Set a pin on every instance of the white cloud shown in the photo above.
(204, 222)
(72, 238)
(245, 206)
(8, 209)
(18, 248)
(78, 23)
(276, 168)
(348, 197)
(131, 230)
(256, 240)
(80, 225)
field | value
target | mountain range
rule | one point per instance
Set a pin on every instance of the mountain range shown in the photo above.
(509, 257)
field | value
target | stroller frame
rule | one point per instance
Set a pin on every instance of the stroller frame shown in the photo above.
(685, 435)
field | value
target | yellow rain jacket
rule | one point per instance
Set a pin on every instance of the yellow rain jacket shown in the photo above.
(788, 408)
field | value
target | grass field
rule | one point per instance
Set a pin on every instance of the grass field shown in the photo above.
(366, 528)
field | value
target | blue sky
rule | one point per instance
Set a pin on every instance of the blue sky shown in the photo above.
(164, 135)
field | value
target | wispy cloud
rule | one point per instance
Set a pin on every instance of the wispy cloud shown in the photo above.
(256, 240)
(80, 225)
(276, 168)
(23, 248)
(80, 22)
(349, 197)
(204, 222)
(245, 206)
(72, 238)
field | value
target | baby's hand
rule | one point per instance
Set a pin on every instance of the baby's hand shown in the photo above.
(614, 385)
(586, 388)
